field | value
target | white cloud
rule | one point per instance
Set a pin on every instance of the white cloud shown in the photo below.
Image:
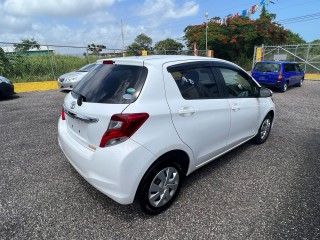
(99, 17)
(14, 24)
(54, 7)
(11, 24)
(168, 9)
(89, 21)
(187, 9)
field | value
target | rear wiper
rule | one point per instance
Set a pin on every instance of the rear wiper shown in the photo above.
(80, 99)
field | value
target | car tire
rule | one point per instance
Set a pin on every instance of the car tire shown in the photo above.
(160, 185)
(300, 83)
(284, 87)
(264, 130)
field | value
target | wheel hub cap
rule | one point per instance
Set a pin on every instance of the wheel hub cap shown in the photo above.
(265, 128)
(163, 186)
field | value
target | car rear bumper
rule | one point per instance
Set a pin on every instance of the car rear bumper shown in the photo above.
(115, 171)
(271, 84)
(6, 89)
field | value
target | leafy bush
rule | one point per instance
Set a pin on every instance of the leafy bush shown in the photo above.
(20, 68)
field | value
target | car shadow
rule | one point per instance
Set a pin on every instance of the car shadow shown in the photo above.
(9, 98)
(133, 211)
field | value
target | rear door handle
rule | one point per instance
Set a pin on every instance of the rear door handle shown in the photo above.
(186, 111)
(235, 107)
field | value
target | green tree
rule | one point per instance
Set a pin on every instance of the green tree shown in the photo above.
(96, 49)
(315, 50)
(144, 42)
(26, 44)
(4, 62)
(265, 14)
(168, 46)
(294, 38)
(134, 49)
(141, 42)
(236, 40)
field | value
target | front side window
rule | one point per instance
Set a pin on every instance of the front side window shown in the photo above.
(196, 83)
(111, 83)
(238, 84)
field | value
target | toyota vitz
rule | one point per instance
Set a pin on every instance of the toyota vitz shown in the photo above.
(134, 127)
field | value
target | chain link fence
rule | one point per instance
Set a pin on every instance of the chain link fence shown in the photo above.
(48, 62)
(307, 55)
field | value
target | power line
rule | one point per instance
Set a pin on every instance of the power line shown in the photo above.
(300, 19)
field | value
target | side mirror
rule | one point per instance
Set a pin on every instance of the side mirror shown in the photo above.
(265, 92)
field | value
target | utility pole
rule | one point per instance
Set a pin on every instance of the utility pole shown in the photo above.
(122, 36)
(206, 15)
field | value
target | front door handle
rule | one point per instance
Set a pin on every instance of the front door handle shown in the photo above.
(186, 111)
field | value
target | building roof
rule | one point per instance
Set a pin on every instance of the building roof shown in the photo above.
(11, 49)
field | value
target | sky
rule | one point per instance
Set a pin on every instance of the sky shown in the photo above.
(82, 22)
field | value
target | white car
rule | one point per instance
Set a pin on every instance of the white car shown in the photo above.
(136, 126)
(67, 81)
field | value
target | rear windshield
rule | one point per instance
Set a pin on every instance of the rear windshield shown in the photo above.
(111, 83)
(267, 67)
(87, 68)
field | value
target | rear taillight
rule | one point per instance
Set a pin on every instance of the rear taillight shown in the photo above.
(108, 62)
(121, 127)
(63, 116)
(279, 77)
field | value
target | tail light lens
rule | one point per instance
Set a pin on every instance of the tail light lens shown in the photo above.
(279, 78)
(108, 62)
(122, 127)
(63, 115)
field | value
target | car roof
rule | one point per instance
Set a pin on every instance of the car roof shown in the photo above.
(159, 59)
(280, 62)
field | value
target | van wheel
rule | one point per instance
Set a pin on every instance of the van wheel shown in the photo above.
(300, 83)
(284, 87)
(160, 186)
(264, 130)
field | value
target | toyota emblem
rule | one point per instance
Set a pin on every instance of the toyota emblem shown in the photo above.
(73, 104)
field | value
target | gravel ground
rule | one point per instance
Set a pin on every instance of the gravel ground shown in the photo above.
(270, 191)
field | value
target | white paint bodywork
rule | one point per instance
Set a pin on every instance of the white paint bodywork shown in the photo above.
(203, 129)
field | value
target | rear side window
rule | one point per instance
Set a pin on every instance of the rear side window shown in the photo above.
(111, 83)
(196, 83)
(289, 68)
(267, 67)
(298, 69)
(87, 68)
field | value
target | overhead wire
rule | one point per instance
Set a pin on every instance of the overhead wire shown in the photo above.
(300, 19)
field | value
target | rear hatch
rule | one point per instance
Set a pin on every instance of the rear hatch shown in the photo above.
(266, 72)
(105, 91)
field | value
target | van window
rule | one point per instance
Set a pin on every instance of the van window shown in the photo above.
(111, 83)
(289, 68)
(298, 69)
(267, 67)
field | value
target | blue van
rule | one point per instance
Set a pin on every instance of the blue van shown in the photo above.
(277, 74)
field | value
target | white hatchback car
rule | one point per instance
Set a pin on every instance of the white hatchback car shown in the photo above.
(135, 127)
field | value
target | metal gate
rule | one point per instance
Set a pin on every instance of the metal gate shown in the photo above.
(307, 55)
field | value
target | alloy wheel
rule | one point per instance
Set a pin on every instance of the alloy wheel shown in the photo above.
(265, 128)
